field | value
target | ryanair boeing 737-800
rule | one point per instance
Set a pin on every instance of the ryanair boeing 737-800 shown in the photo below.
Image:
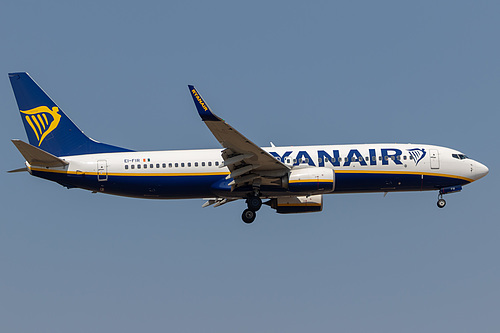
(290, 179)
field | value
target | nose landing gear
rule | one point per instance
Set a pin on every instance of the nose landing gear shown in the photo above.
(445, 190)
(253, 203)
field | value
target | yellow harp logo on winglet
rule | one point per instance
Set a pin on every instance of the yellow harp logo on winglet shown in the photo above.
(42, 120)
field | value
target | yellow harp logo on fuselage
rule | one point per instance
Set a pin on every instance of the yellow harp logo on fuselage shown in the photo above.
(42, 120)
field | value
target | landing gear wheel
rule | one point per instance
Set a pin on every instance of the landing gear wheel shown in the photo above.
(248, 216)
(441, 203)
(254, 203)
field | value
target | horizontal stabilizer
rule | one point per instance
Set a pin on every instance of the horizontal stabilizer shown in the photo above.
(36, 156)
(18, 170)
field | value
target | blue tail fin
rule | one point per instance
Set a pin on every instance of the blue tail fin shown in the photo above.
(47, 126)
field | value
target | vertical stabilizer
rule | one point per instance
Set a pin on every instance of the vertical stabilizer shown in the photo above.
(47, 126)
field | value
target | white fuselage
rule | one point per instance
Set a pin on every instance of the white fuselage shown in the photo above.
(192, 173)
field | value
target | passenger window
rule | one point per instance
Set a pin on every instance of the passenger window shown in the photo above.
(145, 166)
(182, 165)
(399, 157)
(189, 164)
(151, 166)
(209, 163)
(202, 163)
(126, 167)
(216, 163)
(176, 165)
(138, 166)
(380, 158)
(132, 166)
(195, 164)
(333, 159)
(294, 160)
(288, 161)
(169, 165)
(411, 157)
(374, 158)
(366, 158)
(404, 157)
(164, 165)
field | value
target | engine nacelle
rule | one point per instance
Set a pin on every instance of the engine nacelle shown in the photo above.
(311, 180)
(290, 205)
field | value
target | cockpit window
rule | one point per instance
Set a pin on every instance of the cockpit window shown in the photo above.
(459, 156)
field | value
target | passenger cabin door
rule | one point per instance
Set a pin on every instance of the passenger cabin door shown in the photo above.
(434, 159)
(102, 170)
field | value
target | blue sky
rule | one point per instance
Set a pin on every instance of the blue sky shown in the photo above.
(290, 72)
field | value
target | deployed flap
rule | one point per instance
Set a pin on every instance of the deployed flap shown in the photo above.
(36, 156)
(243, 157)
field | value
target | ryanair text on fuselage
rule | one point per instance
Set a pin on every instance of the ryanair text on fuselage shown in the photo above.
(385, 156)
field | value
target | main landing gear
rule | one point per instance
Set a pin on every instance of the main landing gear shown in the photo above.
(253, 203)
(441, 202)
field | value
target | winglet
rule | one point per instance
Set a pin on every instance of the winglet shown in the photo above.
(203, 110)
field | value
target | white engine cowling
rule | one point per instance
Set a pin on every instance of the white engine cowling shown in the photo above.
(311, 180)
(305, 204)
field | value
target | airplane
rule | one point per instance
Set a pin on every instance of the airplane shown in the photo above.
(293, 179)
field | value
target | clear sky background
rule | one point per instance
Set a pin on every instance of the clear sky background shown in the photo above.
(291, 72)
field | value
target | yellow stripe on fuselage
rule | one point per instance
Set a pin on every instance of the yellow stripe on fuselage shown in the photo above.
(133, 174)
(312, 181)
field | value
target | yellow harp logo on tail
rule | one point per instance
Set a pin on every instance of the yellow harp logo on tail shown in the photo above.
(42, 120)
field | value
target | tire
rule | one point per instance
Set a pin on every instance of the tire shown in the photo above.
(441, 203)
(248, 216)
(254, 203)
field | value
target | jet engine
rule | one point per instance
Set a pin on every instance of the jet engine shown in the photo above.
(310, 180)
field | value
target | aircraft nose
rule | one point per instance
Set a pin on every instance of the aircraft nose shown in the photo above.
(480, 170)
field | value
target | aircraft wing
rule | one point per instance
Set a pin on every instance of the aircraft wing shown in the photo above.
(247, 162)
